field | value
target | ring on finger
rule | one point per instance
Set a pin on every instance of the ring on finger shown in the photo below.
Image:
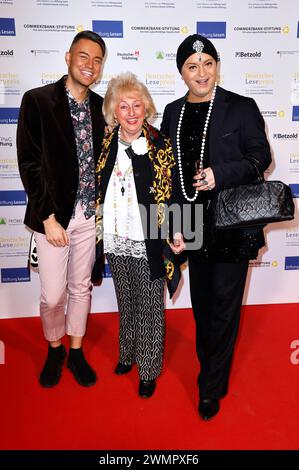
(204, 183)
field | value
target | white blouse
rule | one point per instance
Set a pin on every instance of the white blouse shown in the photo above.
(123, 232)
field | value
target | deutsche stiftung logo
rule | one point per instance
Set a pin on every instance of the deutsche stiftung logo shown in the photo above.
(7, 27)
(108, 29)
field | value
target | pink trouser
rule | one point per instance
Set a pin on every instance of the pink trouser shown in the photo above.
(65, 278)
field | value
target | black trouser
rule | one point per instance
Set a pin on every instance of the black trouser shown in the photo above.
(216, 295)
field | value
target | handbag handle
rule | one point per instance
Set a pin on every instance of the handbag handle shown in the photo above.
(255, 163)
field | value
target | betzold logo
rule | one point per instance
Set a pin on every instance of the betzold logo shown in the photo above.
(291, 263)
(248, 55)
(7, 27)
(279, 136)
(294, 356)
(294, 189)
(2, 353)
(295, 115)
(7, 53)
(12, 198)
(108, 29)
(9, 115)
(15, 275)
(211, 29)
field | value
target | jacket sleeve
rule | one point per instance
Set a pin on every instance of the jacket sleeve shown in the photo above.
(29, 152)
(253, 144)
(165, 122)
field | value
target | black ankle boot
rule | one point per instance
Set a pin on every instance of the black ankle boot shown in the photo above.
(146, 388)
(51, 372)
(80, 368)
(121, 369)
(208, 408)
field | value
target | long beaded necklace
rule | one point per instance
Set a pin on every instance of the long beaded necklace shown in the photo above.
(121, 177)
(202, 149)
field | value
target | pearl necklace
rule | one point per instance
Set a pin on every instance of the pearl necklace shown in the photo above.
(202, 150)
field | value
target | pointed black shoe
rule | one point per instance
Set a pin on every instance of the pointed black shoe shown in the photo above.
(51, 372)
(80, 368)
(208, 408)
(146, 388)
(121, 369)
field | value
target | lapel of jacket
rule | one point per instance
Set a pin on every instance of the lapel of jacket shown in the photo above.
(219, 113)
(174, 123)
(98, 125)
(108, 168)
(63, 117)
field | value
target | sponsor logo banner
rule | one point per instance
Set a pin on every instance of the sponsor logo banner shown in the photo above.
(15, 275)
(7, 27)
(295, 115)
(12, 198)
(108, 29)
(291, 263)
(295, 190)
(211, 29)
(9, 115)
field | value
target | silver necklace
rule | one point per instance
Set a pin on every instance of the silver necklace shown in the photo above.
(202, 149)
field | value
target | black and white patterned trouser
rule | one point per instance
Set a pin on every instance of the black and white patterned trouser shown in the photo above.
(141, 308)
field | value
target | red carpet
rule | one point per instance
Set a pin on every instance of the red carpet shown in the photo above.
(260, 412)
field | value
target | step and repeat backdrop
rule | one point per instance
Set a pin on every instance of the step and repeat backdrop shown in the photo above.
(258, 43)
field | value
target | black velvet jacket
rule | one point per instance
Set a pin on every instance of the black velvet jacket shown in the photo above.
(47, 153)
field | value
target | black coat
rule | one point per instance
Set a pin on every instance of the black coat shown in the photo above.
(47, 154)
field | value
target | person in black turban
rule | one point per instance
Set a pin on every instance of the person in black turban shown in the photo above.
(217, 137)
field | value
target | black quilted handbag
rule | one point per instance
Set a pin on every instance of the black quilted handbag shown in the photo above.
(255, 204)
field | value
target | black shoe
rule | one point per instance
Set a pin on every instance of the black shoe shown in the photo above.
(121, 369)
(51, 372)
(146, 388)
(208, 408)
(80, 368)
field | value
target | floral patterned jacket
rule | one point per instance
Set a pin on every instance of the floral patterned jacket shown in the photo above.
(153, 173)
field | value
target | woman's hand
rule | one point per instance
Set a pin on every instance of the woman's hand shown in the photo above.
(204, 180)
(55, 233)
(178, 244)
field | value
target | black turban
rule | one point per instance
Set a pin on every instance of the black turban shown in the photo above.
(192, 44)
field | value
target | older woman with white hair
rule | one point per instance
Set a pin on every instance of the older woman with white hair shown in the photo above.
(135, 176)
